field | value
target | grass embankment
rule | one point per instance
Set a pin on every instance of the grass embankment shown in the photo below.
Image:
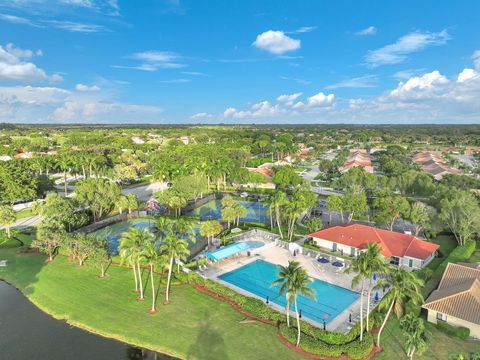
(193, 325)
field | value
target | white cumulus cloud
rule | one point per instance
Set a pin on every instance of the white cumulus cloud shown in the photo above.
(276, 42)
(320, 99)
(15, 65)
(85, 88)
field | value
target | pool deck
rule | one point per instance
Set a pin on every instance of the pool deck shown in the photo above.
(324, 272)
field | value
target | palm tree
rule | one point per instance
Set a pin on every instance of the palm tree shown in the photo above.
(415, 334)
(210, 229)
(403, 285)
(300, 286)
(285, 278)
(176, 249)
(64, 162)
(278, 200)
(153, 258)
(375, 265)
(163, 226)
(7, 218)
(121, 203)
(132, 243)
(360, 266)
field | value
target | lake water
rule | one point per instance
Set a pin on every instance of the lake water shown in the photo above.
(28, 333)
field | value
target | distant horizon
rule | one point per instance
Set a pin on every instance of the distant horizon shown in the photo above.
(127, 124)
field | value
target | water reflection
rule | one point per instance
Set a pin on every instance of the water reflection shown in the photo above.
(28, 333)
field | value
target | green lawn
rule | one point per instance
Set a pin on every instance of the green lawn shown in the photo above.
(193, 326)
(447, 244)
(24, 213)
(440, 345)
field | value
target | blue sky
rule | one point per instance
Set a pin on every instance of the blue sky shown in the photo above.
(93, 61)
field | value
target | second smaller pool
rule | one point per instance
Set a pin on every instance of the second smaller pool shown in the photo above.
(233, 249)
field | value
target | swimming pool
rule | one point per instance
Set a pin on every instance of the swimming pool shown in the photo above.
(113, 233)
(233, 249)
(258, 276)
(256, 211)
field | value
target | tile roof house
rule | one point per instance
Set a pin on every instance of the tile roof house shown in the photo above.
(433, 163)
(457, 298)
(403, 250)
(358, 158)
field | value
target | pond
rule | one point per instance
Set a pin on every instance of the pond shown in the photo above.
(113, 233)
(256, 211)
(28, 333)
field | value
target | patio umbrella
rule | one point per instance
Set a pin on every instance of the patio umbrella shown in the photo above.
(337, 264)
(323, 260)
(376, 296)
(374, 276)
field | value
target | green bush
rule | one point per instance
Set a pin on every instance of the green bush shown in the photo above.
(425, 274)
(459, 332)
(360, 349)
(411, 308)
(355, 349)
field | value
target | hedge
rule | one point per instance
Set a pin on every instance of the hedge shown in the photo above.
(459, 332)
(355, 349)
(459, 254)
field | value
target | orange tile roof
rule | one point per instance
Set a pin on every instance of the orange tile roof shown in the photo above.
(391, 243)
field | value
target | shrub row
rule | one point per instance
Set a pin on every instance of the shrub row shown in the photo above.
(459, 332)
(355, 349)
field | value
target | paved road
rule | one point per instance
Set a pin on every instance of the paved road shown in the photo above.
(26, 222)
(144, 192)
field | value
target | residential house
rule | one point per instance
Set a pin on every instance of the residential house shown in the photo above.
(457, 298)
(403, 250)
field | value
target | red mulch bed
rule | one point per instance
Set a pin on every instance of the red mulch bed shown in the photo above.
(282, 339)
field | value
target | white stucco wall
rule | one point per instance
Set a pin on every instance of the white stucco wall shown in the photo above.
(474, 328)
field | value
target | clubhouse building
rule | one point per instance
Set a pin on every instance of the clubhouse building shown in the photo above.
(403, 250)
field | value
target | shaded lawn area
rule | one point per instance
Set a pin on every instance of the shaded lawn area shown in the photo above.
(447, 244)
(440, 345)
(24, 213)
(193, 326)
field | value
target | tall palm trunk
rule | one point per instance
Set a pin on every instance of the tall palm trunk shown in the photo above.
(140, 281)
(288, 313)
(102, 271)
(135, 276)
(384, 322)
(153, 289)
(361, 309)
(298, 321)
(65, 181)
(167, 297)
(277, 216)
(369, 295)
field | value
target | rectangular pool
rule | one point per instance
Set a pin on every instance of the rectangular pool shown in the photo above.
(258, 276)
